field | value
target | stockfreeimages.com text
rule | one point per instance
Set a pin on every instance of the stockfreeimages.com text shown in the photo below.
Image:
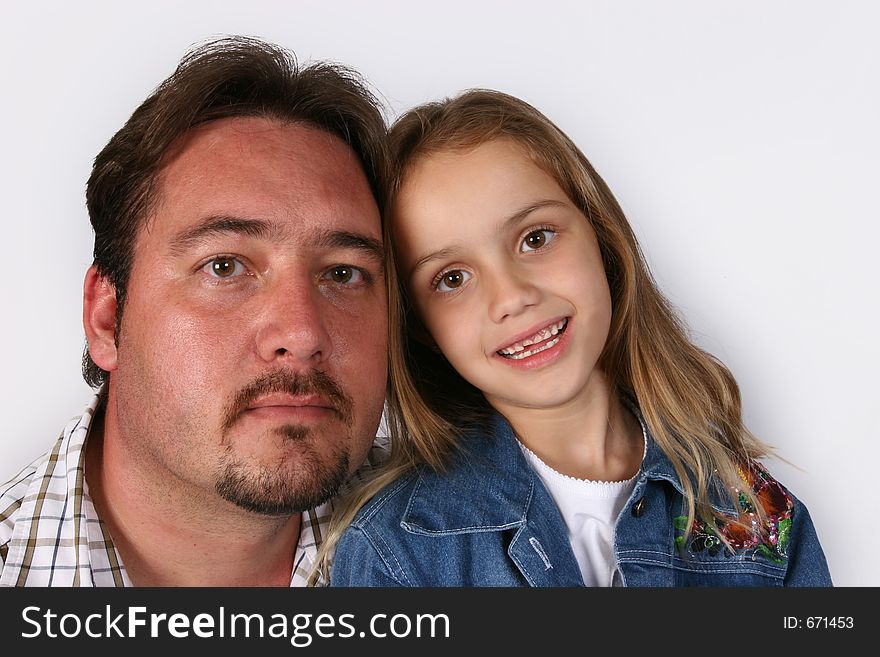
(299, 629)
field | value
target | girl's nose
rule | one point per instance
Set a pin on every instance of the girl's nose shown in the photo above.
(511, 294)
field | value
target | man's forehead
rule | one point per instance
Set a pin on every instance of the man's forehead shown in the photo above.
(284, 176)
(251, 133)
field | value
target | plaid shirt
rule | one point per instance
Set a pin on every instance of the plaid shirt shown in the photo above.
(51, 535)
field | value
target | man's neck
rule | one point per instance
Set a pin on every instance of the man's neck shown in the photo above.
(170, 535)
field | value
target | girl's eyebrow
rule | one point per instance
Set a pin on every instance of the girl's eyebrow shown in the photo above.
(527, 210)
(514, 218)
(434, 255)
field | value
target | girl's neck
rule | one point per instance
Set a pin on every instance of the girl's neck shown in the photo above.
(591, 437)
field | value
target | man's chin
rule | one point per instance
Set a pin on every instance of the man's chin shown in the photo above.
(279, 492)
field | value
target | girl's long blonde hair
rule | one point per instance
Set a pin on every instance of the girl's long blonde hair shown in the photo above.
(688, 399)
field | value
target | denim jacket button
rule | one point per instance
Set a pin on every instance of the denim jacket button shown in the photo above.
(639, 507)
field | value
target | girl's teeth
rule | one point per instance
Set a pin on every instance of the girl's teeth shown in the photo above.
(518, 356)
(540, 336)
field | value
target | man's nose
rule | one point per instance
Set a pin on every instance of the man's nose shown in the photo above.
(293, 324)
(511, 292)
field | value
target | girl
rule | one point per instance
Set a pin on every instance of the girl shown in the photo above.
(552, 423)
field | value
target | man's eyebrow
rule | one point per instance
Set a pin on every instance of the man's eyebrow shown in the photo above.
(517, 216)
(261, 228)
(221, 224)
(343, 239)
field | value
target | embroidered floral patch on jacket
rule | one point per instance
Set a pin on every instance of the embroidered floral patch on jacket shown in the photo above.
(746, 533)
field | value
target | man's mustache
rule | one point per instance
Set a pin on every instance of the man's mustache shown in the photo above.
(313, 382)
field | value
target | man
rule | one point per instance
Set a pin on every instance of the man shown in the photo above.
(235, 326)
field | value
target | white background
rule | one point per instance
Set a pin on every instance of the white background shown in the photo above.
(741, 139)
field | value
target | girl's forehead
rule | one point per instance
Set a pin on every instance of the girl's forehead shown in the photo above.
(477, 171)
(502, 147)
(474, 197)
(488, 184)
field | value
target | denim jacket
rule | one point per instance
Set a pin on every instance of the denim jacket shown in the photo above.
(489, 521)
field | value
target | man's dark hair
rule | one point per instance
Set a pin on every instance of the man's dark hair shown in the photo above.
(223, 78)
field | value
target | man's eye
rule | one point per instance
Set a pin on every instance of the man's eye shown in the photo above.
(224, 267)
(345, 275)
(537, 239)
(451, 280)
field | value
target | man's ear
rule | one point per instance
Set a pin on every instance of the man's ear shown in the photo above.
(99, 318)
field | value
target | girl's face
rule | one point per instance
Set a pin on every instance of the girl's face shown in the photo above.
(505, 273)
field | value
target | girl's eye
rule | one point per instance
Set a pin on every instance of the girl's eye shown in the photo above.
(345, 275)
(451, 280)
(224, 267)
(537, 239)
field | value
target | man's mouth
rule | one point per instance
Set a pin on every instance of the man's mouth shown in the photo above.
(544, 339)
(282, 395)
(284, 400)
(282, 407)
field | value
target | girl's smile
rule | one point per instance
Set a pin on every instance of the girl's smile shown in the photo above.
(538, 348)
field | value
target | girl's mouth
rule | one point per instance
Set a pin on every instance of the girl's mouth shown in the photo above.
(544, 339)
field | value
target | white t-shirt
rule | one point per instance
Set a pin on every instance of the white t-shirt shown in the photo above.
(590, 510)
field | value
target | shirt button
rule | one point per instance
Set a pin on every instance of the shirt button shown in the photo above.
(639, 507)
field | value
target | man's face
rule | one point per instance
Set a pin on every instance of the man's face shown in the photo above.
(251, 359)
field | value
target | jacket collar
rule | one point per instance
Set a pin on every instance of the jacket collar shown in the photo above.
(489, 484)
(656, 466)
(490, 487)
(487, 487)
